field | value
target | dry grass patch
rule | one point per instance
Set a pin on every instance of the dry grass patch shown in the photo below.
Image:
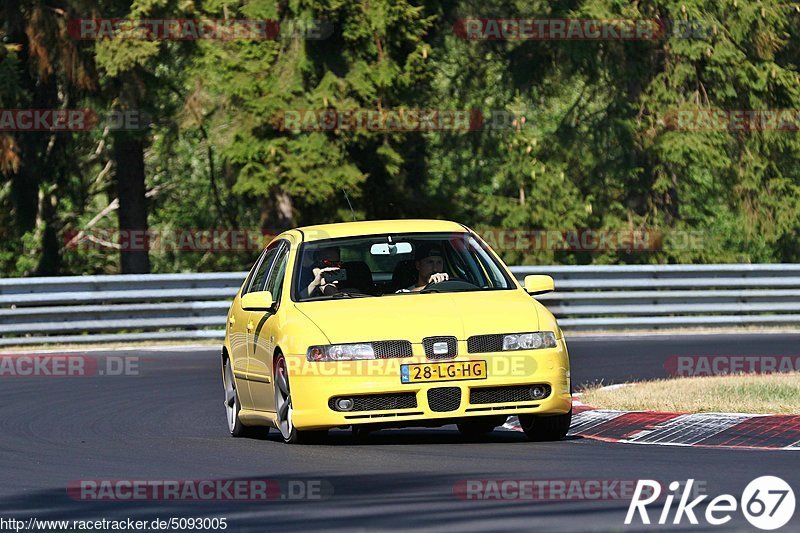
(740, 393)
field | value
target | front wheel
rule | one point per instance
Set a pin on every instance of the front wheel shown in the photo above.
(545, 428)
(283, 409)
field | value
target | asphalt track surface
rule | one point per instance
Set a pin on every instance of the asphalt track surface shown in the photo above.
(168, 423)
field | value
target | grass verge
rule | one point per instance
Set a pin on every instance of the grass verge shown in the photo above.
(739, 393)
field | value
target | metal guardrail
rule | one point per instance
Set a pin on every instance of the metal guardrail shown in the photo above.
(115, 308)
(669, 296)
(193, 306)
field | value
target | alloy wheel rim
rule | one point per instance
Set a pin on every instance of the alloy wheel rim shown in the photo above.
(283, 399)
(230, 397)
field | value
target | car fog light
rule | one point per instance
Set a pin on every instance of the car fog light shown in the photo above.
(538, 392)
(344, 404)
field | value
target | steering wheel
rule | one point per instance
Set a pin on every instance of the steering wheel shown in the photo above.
(450, 285)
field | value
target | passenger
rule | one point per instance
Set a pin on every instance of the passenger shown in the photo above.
(325, 260)
(429, 261)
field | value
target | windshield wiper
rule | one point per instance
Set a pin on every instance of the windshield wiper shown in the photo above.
(345, 294)
(441, 291)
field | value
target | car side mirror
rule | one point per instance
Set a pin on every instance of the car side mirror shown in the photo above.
(539, 283)
(258, 301)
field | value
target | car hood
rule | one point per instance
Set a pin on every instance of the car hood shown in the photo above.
(413, 317)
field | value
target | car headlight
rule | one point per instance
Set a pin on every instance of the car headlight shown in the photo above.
(340, 352)
(529, 341)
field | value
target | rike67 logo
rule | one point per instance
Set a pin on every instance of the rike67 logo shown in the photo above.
(767, 502)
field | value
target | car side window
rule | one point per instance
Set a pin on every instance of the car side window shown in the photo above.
(276, 275)
(252, 272)
(257, 284)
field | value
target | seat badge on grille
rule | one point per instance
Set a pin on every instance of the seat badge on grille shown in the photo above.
(440, 348)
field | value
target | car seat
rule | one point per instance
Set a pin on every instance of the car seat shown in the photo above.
(359, 277)
(404, 275)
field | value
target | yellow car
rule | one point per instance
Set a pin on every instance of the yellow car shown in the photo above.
(391, 323)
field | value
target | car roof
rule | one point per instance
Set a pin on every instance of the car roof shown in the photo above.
(376, 227)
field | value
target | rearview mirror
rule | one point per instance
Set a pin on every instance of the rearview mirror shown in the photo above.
(258, 301)
(539, 283)
(391, 248)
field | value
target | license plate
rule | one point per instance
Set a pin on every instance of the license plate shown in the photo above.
(427, 372)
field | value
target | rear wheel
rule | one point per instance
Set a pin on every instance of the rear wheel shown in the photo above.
(477, 427)
(283, 408)
(233, 407)
(545, 428)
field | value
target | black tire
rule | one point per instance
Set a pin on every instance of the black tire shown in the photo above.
(306, 437)
(233, 408)
(545, 428)
(479, 426)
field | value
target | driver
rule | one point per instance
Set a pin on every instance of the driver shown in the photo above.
(430, 264)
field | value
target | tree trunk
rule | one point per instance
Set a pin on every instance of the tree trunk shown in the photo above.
(50, 258)
(129, 159)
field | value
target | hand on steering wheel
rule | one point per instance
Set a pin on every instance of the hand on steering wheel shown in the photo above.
(438, 278)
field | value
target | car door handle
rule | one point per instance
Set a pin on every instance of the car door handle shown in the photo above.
(231, 320)
(250, 326)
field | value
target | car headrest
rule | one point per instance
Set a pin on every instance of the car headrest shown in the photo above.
(359, 276)
(404, 275)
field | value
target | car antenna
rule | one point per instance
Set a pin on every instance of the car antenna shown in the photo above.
(348, 203)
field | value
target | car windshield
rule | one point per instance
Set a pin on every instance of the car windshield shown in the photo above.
(396, 264)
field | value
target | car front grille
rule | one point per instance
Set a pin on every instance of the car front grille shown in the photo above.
(391, 349)
(512, 394)
(378, 402)
(485, 343)
(444, 399)
(452, 347)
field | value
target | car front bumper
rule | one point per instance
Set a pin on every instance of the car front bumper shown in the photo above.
(313, 385)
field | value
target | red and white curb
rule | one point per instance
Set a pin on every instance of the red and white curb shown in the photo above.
(713, 430)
